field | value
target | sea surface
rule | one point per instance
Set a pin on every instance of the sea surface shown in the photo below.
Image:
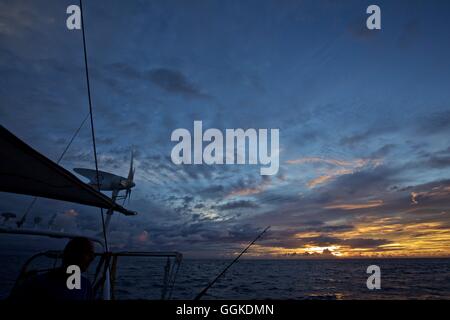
(142, 278)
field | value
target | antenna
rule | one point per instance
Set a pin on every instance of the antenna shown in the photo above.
(202, 293)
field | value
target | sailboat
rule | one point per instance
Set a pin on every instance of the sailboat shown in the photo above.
(24, 170)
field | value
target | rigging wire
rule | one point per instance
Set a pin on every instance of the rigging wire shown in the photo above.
(92, 120)
(71, 140)
(33, 202)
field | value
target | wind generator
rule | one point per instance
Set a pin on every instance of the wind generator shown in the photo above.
(110, 182)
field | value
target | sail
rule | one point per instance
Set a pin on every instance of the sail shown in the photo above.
(23, 170)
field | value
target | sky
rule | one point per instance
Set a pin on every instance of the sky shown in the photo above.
(363, 116)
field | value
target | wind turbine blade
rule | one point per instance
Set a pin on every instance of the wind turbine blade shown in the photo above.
(131, 171)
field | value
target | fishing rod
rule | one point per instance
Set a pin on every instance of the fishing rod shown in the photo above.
(202, 293)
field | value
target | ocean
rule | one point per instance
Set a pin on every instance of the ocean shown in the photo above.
(141, 278)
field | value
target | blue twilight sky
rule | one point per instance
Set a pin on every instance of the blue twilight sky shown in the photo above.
(364, 120)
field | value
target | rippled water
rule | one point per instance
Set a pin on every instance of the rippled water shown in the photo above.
(139, 278)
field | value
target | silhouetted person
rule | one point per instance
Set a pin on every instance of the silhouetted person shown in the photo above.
(52, 285)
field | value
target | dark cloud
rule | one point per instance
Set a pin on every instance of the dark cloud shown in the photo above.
(430, 160)
(173, 81)
(438, 162)
(168, 79)
(213, 191)
(364, 182)
(368, 134)
(434, 123)
(383, 151)
(242, 204)
(325, 254)
(324, 241)
(337, 228)
(365, 243)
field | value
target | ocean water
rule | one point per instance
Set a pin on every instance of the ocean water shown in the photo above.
(141, 278)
